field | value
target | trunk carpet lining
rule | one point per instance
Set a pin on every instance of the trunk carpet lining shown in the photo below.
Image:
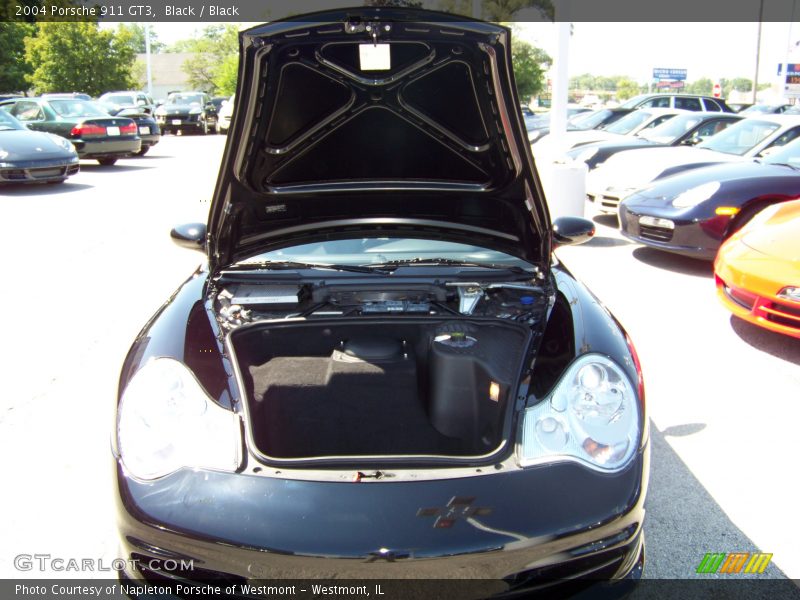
(323, 406)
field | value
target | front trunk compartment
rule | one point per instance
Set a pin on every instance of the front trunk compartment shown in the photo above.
(380, 390)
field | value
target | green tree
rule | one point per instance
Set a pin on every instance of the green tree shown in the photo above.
(530, 64)
(213, 50)
(703, 87)
(626, 88)
(12, 49)
(741, 84)
(79, 57)
(226, 76)
(138, 41)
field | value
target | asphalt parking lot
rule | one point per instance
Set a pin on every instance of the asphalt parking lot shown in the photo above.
(86, 264)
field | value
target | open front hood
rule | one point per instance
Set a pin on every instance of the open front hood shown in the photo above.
(375, 120)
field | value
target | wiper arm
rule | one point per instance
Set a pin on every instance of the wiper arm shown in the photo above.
(453, 262)
(290, 264)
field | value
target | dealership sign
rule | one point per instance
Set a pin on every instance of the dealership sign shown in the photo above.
(792, 82)
(669, 78)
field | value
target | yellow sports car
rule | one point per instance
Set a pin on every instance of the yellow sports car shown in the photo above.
(758, 269)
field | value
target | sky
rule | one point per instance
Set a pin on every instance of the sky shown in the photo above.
(713, 50)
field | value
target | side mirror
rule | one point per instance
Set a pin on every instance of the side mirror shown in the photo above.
(692, 141)
(571, 230)
(190, 235)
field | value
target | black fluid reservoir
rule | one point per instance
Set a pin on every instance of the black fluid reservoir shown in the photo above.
(455, 378)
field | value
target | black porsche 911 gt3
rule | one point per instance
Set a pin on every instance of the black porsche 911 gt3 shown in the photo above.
(380, 370)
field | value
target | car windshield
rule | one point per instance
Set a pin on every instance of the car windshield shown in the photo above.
(366, 251)
(118, 99)
(9, 123)
(740, 137)
(672, 129)
(788, 155)
(191, 99)
(77, 108)
(629, 122)
(590, 120)
(633, 102)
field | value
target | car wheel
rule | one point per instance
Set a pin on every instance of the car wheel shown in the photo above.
(107, 162)
(143, 151)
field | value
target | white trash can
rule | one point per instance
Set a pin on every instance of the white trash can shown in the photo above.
(565, 188)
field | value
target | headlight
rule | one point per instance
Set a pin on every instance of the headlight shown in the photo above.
(195, 111)
(696, 195)
(63, 142)
(790, 293)
(166, 421)
(592, 417)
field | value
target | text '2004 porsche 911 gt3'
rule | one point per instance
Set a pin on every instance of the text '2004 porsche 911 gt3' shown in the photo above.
(380, 370)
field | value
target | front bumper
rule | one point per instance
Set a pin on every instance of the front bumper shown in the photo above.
(107, 148)
(698, 238)
(549, 526)
(741, 289)
(38, 171)
(180, 122)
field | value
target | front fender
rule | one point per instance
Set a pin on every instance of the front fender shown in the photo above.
(183, 329)
(578, 324)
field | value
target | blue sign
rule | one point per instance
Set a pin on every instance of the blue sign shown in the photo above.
(669, 74)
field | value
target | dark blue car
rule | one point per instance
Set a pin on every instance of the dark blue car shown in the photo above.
(32, 156)
(692, 213)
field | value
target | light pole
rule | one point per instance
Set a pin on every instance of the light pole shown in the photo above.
(147, 59)
(758, 50)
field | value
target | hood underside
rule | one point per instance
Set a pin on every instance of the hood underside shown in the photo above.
(376, 121)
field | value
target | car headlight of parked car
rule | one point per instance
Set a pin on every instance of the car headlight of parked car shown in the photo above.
(790, 293)
(592, 416)
(167, 421)
(696, 195)
(62, 142)
(195, 111)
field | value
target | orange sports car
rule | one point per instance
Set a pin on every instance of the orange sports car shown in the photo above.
(758, 270)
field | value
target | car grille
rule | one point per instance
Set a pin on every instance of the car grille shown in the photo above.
(37, 173)
(183, 118)
(740, 297)
(657, 234)
(571, 577)
(782, 314)
(774, 312)
(609, 201)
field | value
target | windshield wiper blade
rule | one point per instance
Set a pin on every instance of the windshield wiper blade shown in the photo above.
(453, 262)
(290, 264)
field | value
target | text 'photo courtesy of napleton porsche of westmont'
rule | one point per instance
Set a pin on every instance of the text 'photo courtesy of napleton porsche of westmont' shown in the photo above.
(395, 299)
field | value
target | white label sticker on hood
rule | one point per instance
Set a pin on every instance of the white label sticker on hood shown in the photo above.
(375, 57)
